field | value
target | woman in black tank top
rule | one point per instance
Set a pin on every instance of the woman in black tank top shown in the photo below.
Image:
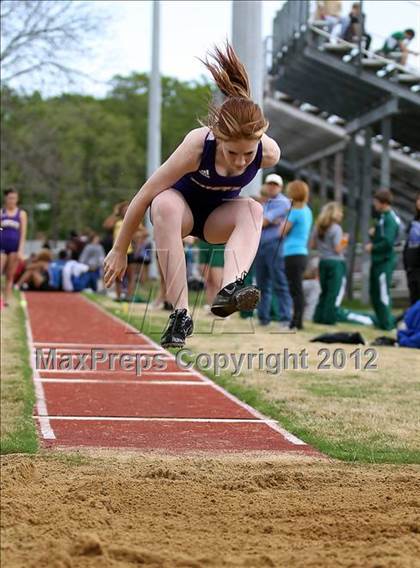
(196, 191)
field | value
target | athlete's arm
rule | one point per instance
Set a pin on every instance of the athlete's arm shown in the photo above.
(186, 158)
(23, 225)
(271, 152)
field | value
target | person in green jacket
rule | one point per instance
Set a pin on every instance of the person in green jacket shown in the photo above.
(330, 241)
(383, 238)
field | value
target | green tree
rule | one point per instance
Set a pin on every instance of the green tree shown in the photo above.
(83, 154)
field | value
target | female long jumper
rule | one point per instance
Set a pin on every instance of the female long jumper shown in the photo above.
(197, 192)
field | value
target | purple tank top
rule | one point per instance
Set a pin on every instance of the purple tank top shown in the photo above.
(206, 178)
(10, 225)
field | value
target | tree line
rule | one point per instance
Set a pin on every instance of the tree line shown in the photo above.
(81, 154)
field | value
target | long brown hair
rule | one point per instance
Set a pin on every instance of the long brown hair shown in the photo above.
(329, 215)
(238, 117)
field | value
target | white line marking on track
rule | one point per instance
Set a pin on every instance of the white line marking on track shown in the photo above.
(89, 346)
(123, 382)
(143, 374)
(41, 404)
(158, 419)
(271, 423)
(75, 349)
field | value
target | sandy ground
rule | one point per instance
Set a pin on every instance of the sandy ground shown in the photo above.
(118, 510)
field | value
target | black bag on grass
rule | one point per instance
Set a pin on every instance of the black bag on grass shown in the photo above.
(353, 338)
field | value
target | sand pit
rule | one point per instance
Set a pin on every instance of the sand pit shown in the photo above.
(109, 510)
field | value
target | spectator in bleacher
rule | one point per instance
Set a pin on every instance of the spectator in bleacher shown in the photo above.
(411, 255)
(93, 255)
(329, 12)
(269, 260)
(297, 230)
(211, 261)
(13, 222)
(36, 275)
(330, 241)
(353, 25)
(398, 43)
(383, 238)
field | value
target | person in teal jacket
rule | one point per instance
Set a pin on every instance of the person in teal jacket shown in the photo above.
(383, 238)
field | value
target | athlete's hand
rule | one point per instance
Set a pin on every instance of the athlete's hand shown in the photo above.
(115, 265)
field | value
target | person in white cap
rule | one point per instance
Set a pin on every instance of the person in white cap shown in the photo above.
(269, 261)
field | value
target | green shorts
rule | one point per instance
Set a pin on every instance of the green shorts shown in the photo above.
(212, 255)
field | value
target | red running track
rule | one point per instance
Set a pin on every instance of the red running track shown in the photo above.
(174, 409)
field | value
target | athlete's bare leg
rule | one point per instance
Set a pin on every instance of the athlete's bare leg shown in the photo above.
(172, 221)
(238, 223)
(3, 257)
(12, 264)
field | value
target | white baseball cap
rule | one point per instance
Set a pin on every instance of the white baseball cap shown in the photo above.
(274, 178)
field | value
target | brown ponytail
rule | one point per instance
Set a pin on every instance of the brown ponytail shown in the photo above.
(238, 117)
(228, 72)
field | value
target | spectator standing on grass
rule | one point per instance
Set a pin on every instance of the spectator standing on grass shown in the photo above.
(211, 259)
(142, 253)
(330, 241)
(383, 238)
(115, 222)
(93, 255)
(75, 245)
(297, 230)
(14, 221)
(398, 42)
(411, 255)
(269, 260)
(311, 288)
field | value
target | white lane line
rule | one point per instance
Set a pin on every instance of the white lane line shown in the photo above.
(41, 404)
(143, 373)
(271, 423)
(70, 348)
(88, 346)
(122, 382)
(158, 419)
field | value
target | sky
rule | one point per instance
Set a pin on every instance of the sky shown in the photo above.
(190, 27)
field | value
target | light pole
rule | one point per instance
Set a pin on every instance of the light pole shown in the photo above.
(248, 44)
(154, 121)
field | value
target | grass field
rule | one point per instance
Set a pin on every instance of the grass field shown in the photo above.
(17, 432)
(351, 414)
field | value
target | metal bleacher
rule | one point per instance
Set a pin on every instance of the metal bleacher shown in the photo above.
(347, 119)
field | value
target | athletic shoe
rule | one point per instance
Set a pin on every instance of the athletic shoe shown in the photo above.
(180, 326)
(235, 297)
